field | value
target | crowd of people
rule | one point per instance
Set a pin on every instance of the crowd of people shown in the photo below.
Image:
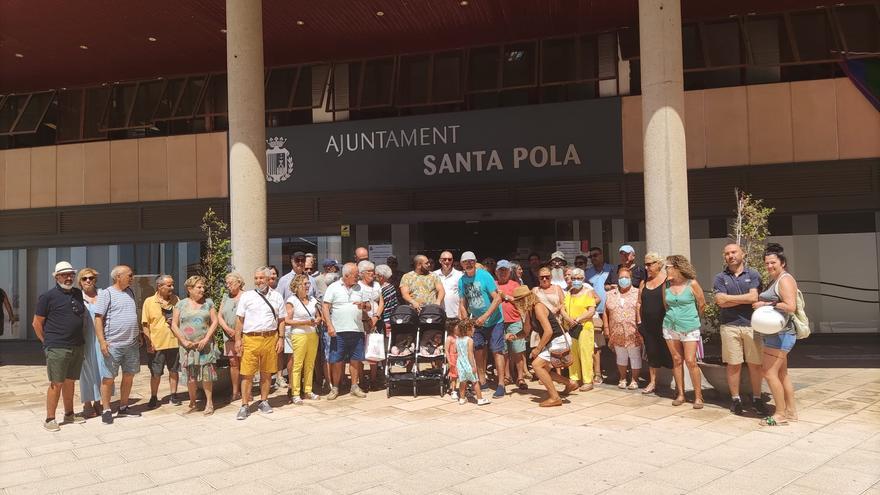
(505, 324)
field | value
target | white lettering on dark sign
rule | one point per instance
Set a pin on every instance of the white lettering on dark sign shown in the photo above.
(487, 161)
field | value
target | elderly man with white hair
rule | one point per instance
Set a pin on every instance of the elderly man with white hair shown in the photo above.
(343, 309)
(162, 345)
(371, 290)
(259, 337)
(118, 332)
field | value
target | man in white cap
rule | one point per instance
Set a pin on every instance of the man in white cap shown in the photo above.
(627, 260)
(58, 323)
(557, 269)
(481, 300)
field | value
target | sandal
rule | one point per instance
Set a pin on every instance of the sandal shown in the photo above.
(771, 421)
(598, 380)
(521, 384)
(586, 387)
(698, 404)
(649, 389)
(209, 410)
(678, 401)
(571, 387)
(633, 385)
(621, 384)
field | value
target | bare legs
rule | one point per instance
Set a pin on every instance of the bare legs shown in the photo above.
(776, 373)
(59, 390)
(685, 353)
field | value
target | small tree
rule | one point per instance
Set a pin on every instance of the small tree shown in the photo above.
(750, 230)
(216, 261)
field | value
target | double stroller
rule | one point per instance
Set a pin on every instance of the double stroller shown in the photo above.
(416, 351)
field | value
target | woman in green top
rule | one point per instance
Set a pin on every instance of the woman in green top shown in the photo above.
(684, 301)
(193, 323)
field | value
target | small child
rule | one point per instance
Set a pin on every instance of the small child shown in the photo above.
(452, 358)
(466, 363)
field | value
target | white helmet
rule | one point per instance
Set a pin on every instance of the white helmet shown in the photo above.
(767, 320)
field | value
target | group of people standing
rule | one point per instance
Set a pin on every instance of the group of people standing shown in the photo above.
(560, 316)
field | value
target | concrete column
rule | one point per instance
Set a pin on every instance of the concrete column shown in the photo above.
(666, 198)
(247, 135)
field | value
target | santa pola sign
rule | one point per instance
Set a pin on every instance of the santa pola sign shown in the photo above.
(535, 142)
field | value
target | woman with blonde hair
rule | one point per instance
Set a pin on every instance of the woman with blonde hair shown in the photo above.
(94, 366)
(303, 318)
(684, 302)
(553, 349)
(193, 323)
(651, 313)
(226, 319)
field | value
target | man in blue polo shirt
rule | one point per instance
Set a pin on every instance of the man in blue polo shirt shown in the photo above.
(736, 288)
(481, 300)
(58, 323)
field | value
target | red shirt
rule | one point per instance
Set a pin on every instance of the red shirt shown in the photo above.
(507, 308)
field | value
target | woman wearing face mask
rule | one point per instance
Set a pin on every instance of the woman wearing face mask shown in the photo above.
(580, 306)
(619, 322)
(684, 302)
(782, 295)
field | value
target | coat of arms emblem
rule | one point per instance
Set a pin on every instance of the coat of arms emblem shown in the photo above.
(279, 162)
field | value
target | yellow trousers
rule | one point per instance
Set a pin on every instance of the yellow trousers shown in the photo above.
(305, 350)
(581, 368)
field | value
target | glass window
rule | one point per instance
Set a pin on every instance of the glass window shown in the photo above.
(847, 223)
(568, 92)
(587, 64)
(148, 96)
(12, 107)
(192, 93)
(483, 68)
(34, 112)
(629, 43)
(279, 87)
(70, 108)
(860, 28)
(311, 85)
(214, 100)
(723, 43)
(518, 67)
(768, 40)
(121, 99)
(557, 62)
(412, 80)
(96, 102)
(377, 82)
(446, 78)
(607, 55)
(169, 98)
(812, 34)
(692, 47)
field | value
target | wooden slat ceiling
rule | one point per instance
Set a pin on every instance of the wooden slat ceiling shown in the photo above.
(48, 33)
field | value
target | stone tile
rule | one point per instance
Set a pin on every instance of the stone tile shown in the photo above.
(644, 486)
(53, 485)
(796, 459)
(726, 457)
(576, 483)
(755, 479)
(189, 487)
(504, 481)
(181, 471)
(13, 478)
(91, 464)
(120, 485)
(130, 468)
(837, 480)
(687, 474)
(794, 489)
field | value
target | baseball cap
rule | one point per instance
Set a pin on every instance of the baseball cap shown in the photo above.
(298, 255)
(468, 256)
(502, 264)
(329, 262)
(558, 255)
(63, 267)
(626, 248)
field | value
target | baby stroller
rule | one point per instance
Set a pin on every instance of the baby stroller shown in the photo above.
(432, 347)
(401, 349)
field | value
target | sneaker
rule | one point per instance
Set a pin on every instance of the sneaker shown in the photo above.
(621, 384)
(313, 396)
(334, 393)
(51, 425)
(736, 406)
(73, 418)
(126, 411)
(297, 401)
(154, 402)
(174, 400)
(500, 392)
(107, 417)
(264, 407)
(462, 402)
(357, 392)
(483, 401)
(243, 413)
(280, 382)
(760, 406)
(453, 395)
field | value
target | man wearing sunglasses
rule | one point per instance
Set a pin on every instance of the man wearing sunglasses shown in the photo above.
(58, 323)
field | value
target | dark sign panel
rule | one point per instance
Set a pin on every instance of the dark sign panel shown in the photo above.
(528, 143)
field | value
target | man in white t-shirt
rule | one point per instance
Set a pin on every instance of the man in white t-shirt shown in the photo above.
(449, 276)
(344, 304)
(259, 334)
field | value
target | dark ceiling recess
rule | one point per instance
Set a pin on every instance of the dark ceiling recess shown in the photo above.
(59, 43)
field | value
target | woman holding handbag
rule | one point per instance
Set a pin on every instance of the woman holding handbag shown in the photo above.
(684, 302)
(193, 323)
(303, 318)
(553, 349)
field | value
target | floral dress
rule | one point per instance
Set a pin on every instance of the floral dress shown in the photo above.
(463, 363)
(194, 324)
(621, 311)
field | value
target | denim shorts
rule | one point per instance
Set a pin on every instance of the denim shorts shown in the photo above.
(347, 346)
(324, 343)
(516, 345)
(784, 341)
(493, 335)
(126, 356)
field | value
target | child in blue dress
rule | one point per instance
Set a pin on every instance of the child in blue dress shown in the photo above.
(465, 363)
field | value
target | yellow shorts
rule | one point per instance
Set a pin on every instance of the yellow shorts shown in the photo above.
(739, 344)
(258, 354)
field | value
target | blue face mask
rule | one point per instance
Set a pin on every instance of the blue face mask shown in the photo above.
(624, 282)
(577, 284)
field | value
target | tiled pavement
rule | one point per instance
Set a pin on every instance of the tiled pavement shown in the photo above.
(604, 441)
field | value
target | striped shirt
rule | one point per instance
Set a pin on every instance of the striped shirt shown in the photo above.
(119, 310)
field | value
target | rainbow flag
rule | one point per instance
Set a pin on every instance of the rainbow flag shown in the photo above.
(865, 74)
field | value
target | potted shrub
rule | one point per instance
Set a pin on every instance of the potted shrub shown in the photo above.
(215, 263)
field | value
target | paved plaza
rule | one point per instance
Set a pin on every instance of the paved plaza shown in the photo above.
(604, 441)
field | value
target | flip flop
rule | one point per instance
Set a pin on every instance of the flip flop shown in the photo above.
(649, 389)
(771, 421)
(678, 401)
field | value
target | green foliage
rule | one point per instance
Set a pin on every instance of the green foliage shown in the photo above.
(216, 260)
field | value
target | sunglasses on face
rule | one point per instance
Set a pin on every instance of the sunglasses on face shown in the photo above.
(445, 259)
(87, 278)
(544, 277)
